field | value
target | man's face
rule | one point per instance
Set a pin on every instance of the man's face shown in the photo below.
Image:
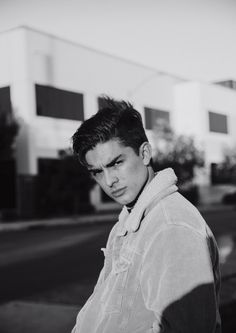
(119, 171)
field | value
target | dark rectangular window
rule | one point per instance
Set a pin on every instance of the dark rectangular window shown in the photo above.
(218, 122)
(58, 103)
(5, 100)
(220, 174)
(8, 184)
(152, 115)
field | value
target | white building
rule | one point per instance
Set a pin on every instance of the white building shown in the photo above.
(53, 85)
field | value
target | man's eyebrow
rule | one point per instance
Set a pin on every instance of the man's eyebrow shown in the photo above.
(113, 161)
(108, 165)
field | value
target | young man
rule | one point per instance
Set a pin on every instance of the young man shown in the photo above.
(161, 270)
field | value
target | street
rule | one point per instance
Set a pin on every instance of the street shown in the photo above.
(43, 260)
(35, 261)
(60, 265)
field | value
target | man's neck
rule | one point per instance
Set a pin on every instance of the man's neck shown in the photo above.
(150, 176)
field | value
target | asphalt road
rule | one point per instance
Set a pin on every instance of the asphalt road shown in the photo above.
(39, 259)
(61, 264)
(35, 261)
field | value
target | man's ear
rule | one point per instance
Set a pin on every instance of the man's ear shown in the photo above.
(145, 152)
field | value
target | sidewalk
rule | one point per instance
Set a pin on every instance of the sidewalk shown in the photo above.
(62, 221)
(27, 317)
(86, 219)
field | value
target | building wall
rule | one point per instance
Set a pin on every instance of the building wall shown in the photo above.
(193, 102)
(29, 57)
(219, 100)
(33, 58)
(4, 63)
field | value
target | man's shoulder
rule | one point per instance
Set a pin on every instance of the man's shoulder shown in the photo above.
(176, 211)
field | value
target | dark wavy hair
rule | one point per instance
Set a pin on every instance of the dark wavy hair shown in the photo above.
(116, 120)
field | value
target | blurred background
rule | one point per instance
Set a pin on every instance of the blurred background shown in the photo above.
(175, 61)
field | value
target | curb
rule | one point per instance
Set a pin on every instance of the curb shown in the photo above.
(89, 219)
(53, 222)
(28, 317)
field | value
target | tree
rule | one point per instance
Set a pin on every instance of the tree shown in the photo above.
(176, 151)
(180, 153)
(230, 157)
(228, 166)
(8, 131)
(226, 172)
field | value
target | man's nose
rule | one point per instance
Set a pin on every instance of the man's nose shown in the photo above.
(110, 178)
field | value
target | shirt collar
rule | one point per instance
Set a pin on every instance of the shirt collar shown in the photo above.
(162, 185)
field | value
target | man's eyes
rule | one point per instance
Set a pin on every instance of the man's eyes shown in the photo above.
(118, 162)
(96, 173)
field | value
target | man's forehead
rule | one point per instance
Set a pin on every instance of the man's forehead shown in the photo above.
(105, 153)
(107, 163)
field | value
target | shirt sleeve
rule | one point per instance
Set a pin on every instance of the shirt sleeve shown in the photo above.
(107, 258)
(177, 282)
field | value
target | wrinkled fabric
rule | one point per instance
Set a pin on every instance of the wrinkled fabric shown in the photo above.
(161, 269)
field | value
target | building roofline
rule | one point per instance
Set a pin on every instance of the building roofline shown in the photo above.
(90, 48)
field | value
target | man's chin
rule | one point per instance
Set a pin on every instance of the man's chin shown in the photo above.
(119, 201)
(122, 201)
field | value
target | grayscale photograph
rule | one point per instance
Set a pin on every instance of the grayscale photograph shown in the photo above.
(117, 166)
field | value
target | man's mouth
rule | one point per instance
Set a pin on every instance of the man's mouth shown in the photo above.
(119, 192)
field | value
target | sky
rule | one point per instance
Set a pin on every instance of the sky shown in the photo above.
(193, 39)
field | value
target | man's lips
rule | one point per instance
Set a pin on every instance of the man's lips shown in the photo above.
(119, 192)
